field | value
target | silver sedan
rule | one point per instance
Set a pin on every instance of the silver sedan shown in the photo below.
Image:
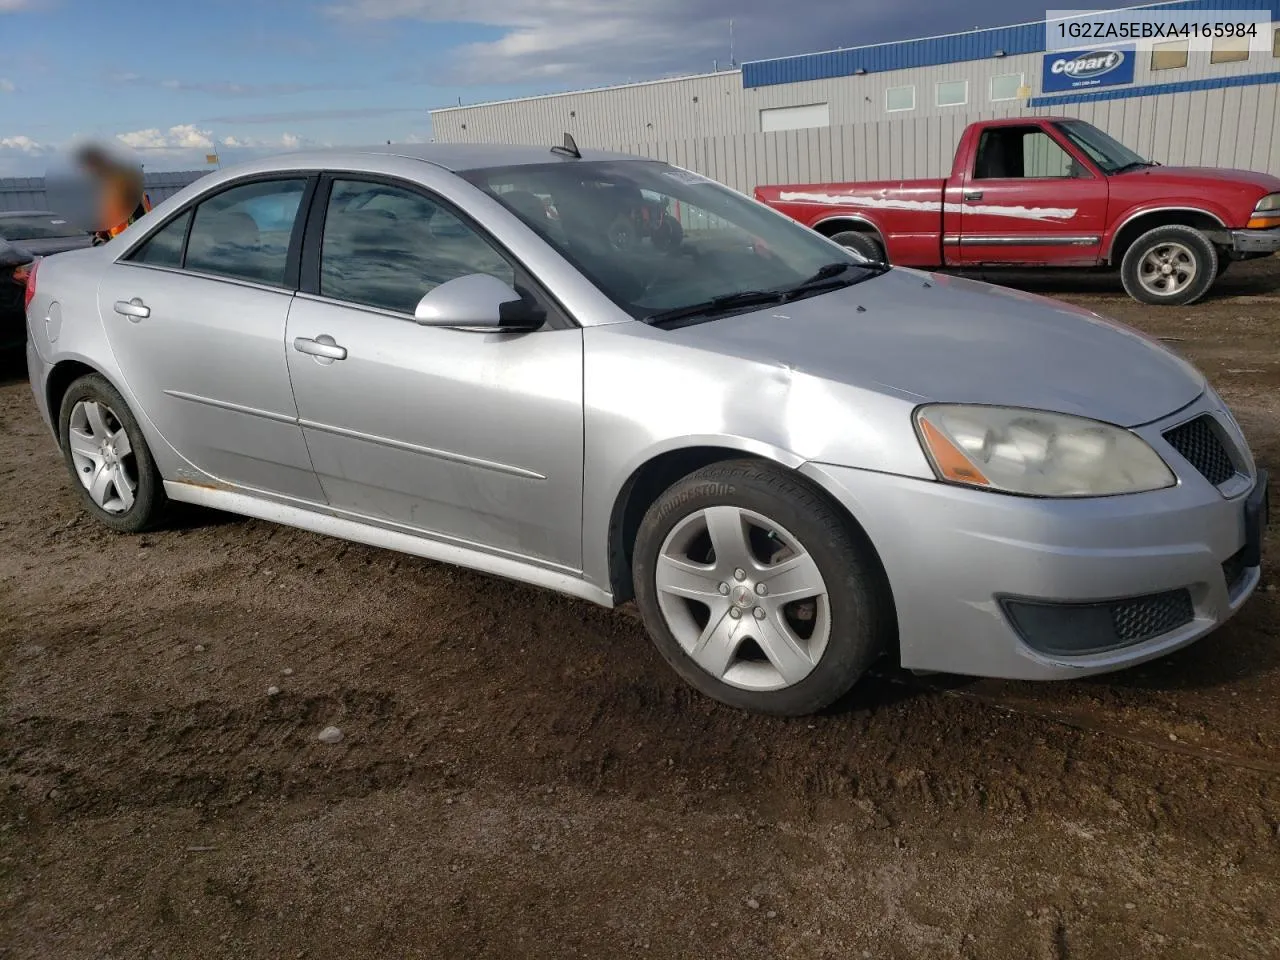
(614, 378)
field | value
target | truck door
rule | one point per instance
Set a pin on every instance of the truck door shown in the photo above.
(1029, 199)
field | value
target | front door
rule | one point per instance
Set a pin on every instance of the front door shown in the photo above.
(196, 318)
(1030, 200)
(473, 438)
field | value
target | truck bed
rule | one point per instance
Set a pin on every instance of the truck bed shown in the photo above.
(907, 213)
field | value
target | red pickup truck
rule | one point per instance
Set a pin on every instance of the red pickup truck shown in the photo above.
(1054, 192)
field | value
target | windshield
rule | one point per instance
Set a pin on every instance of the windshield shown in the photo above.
(37, 226)
(1108, 153)
(659, 241)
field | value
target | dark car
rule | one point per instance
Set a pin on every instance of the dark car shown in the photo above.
(26, 236)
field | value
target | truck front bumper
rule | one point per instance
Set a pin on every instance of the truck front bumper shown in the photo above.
(1256, 241)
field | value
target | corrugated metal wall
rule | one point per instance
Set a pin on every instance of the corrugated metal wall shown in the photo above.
(1233, 127)
(27, 193)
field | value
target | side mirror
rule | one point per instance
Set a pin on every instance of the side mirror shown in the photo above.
(477, 302)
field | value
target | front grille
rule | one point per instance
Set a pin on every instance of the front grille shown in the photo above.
(1201, 445)
(1149, 617)
(1234, 572)
(1073, 629)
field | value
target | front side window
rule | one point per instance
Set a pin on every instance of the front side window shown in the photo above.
(386, 247)
(1104, 150)
(657, 239)
(164, 247)
(1014, 153)
(245, 232)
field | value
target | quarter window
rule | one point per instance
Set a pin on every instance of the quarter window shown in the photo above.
(245, 232)
(386, 247)
(164, 247)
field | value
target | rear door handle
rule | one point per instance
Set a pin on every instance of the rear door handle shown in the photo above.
(323, 346)
(134, 309)
(972, 196)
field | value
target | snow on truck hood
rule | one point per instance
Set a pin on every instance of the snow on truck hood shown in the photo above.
(961, 341)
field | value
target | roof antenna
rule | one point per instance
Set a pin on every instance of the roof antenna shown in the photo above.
(570, 148)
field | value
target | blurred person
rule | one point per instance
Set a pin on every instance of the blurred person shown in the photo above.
(122, 198)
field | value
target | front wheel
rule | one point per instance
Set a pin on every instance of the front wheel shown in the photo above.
(866, 246)
(757, 592)
(1174, 266)
(108, 458)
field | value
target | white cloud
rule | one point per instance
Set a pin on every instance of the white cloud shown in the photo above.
(7, 85)
(185, 136)
(13, 6)
(21, 144)
(286, 141)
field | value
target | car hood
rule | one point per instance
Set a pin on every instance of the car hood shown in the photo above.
(1179, 176)
(927, 337)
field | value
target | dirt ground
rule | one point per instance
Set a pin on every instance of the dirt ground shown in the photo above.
(522, 777)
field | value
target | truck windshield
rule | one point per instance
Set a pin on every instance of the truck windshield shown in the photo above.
(665, 244)
(1107, 152)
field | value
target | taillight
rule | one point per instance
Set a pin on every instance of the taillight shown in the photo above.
(30, 294)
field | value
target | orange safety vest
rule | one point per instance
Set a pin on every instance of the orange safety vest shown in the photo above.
(141, 210)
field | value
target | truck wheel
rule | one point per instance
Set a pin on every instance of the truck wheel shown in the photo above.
(1173, 265)
(866, 246)
(754, 589)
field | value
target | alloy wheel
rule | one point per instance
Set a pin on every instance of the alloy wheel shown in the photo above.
(103, 456)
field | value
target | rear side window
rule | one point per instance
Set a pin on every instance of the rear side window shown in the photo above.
(385, 247)
(164, 247)
(244, 232)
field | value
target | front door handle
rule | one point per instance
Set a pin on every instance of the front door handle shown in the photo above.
(134, 309)
(323, 346)
(972, 196)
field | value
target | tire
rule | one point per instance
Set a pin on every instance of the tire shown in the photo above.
(761, 662)
(127, 491)
(861, 243)
(1183, 250)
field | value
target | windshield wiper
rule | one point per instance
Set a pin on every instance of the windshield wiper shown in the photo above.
(834, 276)
(722, 304)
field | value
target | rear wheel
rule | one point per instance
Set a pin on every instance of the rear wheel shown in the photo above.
(105, 452)
(755, 590)
(865, 244)
(1173, 265)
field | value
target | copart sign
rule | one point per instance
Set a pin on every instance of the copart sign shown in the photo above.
(1082, 69)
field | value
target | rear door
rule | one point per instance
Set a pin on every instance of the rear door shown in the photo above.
(1030, 199)
(472, 438)
(196, 318)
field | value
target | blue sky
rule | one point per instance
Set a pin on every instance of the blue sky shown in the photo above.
(179, 79)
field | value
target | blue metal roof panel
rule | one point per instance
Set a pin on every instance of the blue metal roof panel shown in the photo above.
(935, 51)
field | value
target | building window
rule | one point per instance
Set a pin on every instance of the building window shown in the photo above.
(1006, 86)
(952, 93)
(1229, 50)
(899, 98)
(1169, 56)
(795, 118)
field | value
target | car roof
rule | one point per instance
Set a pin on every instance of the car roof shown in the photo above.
(457, 156)
(15, 214)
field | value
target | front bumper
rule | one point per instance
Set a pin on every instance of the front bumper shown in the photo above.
(1256, 241)
(955, 556)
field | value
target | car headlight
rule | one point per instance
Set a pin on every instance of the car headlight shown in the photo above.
(1035, 453)
(1270, 202)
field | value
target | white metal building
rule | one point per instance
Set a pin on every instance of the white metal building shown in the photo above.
(897, 109)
